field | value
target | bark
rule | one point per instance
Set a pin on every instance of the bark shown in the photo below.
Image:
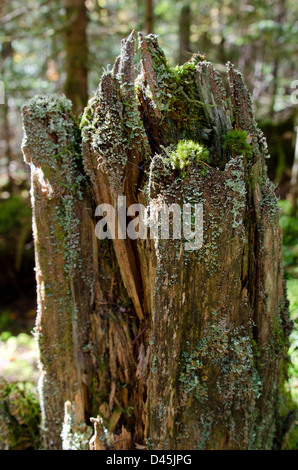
(149, 16)
(64, 237)
(164, 348)
(281, 17)
(12, 187)
(184, 34)
(6, 54)
(76, 59)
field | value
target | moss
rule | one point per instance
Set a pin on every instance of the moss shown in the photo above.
(286, 436)
(256, 354)
(290, 440)
(235, 141)
(188, 151)
(177, 96)
(19, 416)
(279, 337)
(180, 100)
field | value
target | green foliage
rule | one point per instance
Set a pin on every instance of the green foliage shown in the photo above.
(235, 141)
(18, 357)
(14, 212)
(19, 416)
(289, 225)
(188, 151)
(15, 232)
(6, 322)
(180, 71)
(19, 403)
(291, 439)
(177, 96)
(292, 294)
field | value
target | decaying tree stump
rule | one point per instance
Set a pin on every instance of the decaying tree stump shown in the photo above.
(165, 348)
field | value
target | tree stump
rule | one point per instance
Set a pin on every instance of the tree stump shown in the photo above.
(165, 347)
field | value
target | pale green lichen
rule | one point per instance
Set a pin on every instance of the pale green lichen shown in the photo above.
(75, 437)
(236, 183)
(53, 142)
(227, 354)
(112, 130)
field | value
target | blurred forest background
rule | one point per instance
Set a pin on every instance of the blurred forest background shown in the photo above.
(49, 46)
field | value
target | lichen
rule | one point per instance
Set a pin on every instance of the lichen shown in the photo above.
(236, 184)
(52, 144)
(176, 96)
(74, 436)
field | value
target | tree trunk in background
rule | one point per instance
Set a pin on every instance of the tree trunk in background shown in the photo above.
(149, 16)
(165, 348)
(184, 34)
(281, 17)
(294, 179)
(76, 60)
(6, 54)
(8, 150)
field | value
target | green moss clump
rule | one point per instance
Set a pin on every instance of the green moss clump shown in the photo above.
(188, 151)
(19, 416)
(181, 71)
(177, 96)
(235, 141)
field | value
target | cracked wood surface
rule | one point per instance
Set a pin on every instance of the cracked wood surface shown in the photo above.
(169, 349)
